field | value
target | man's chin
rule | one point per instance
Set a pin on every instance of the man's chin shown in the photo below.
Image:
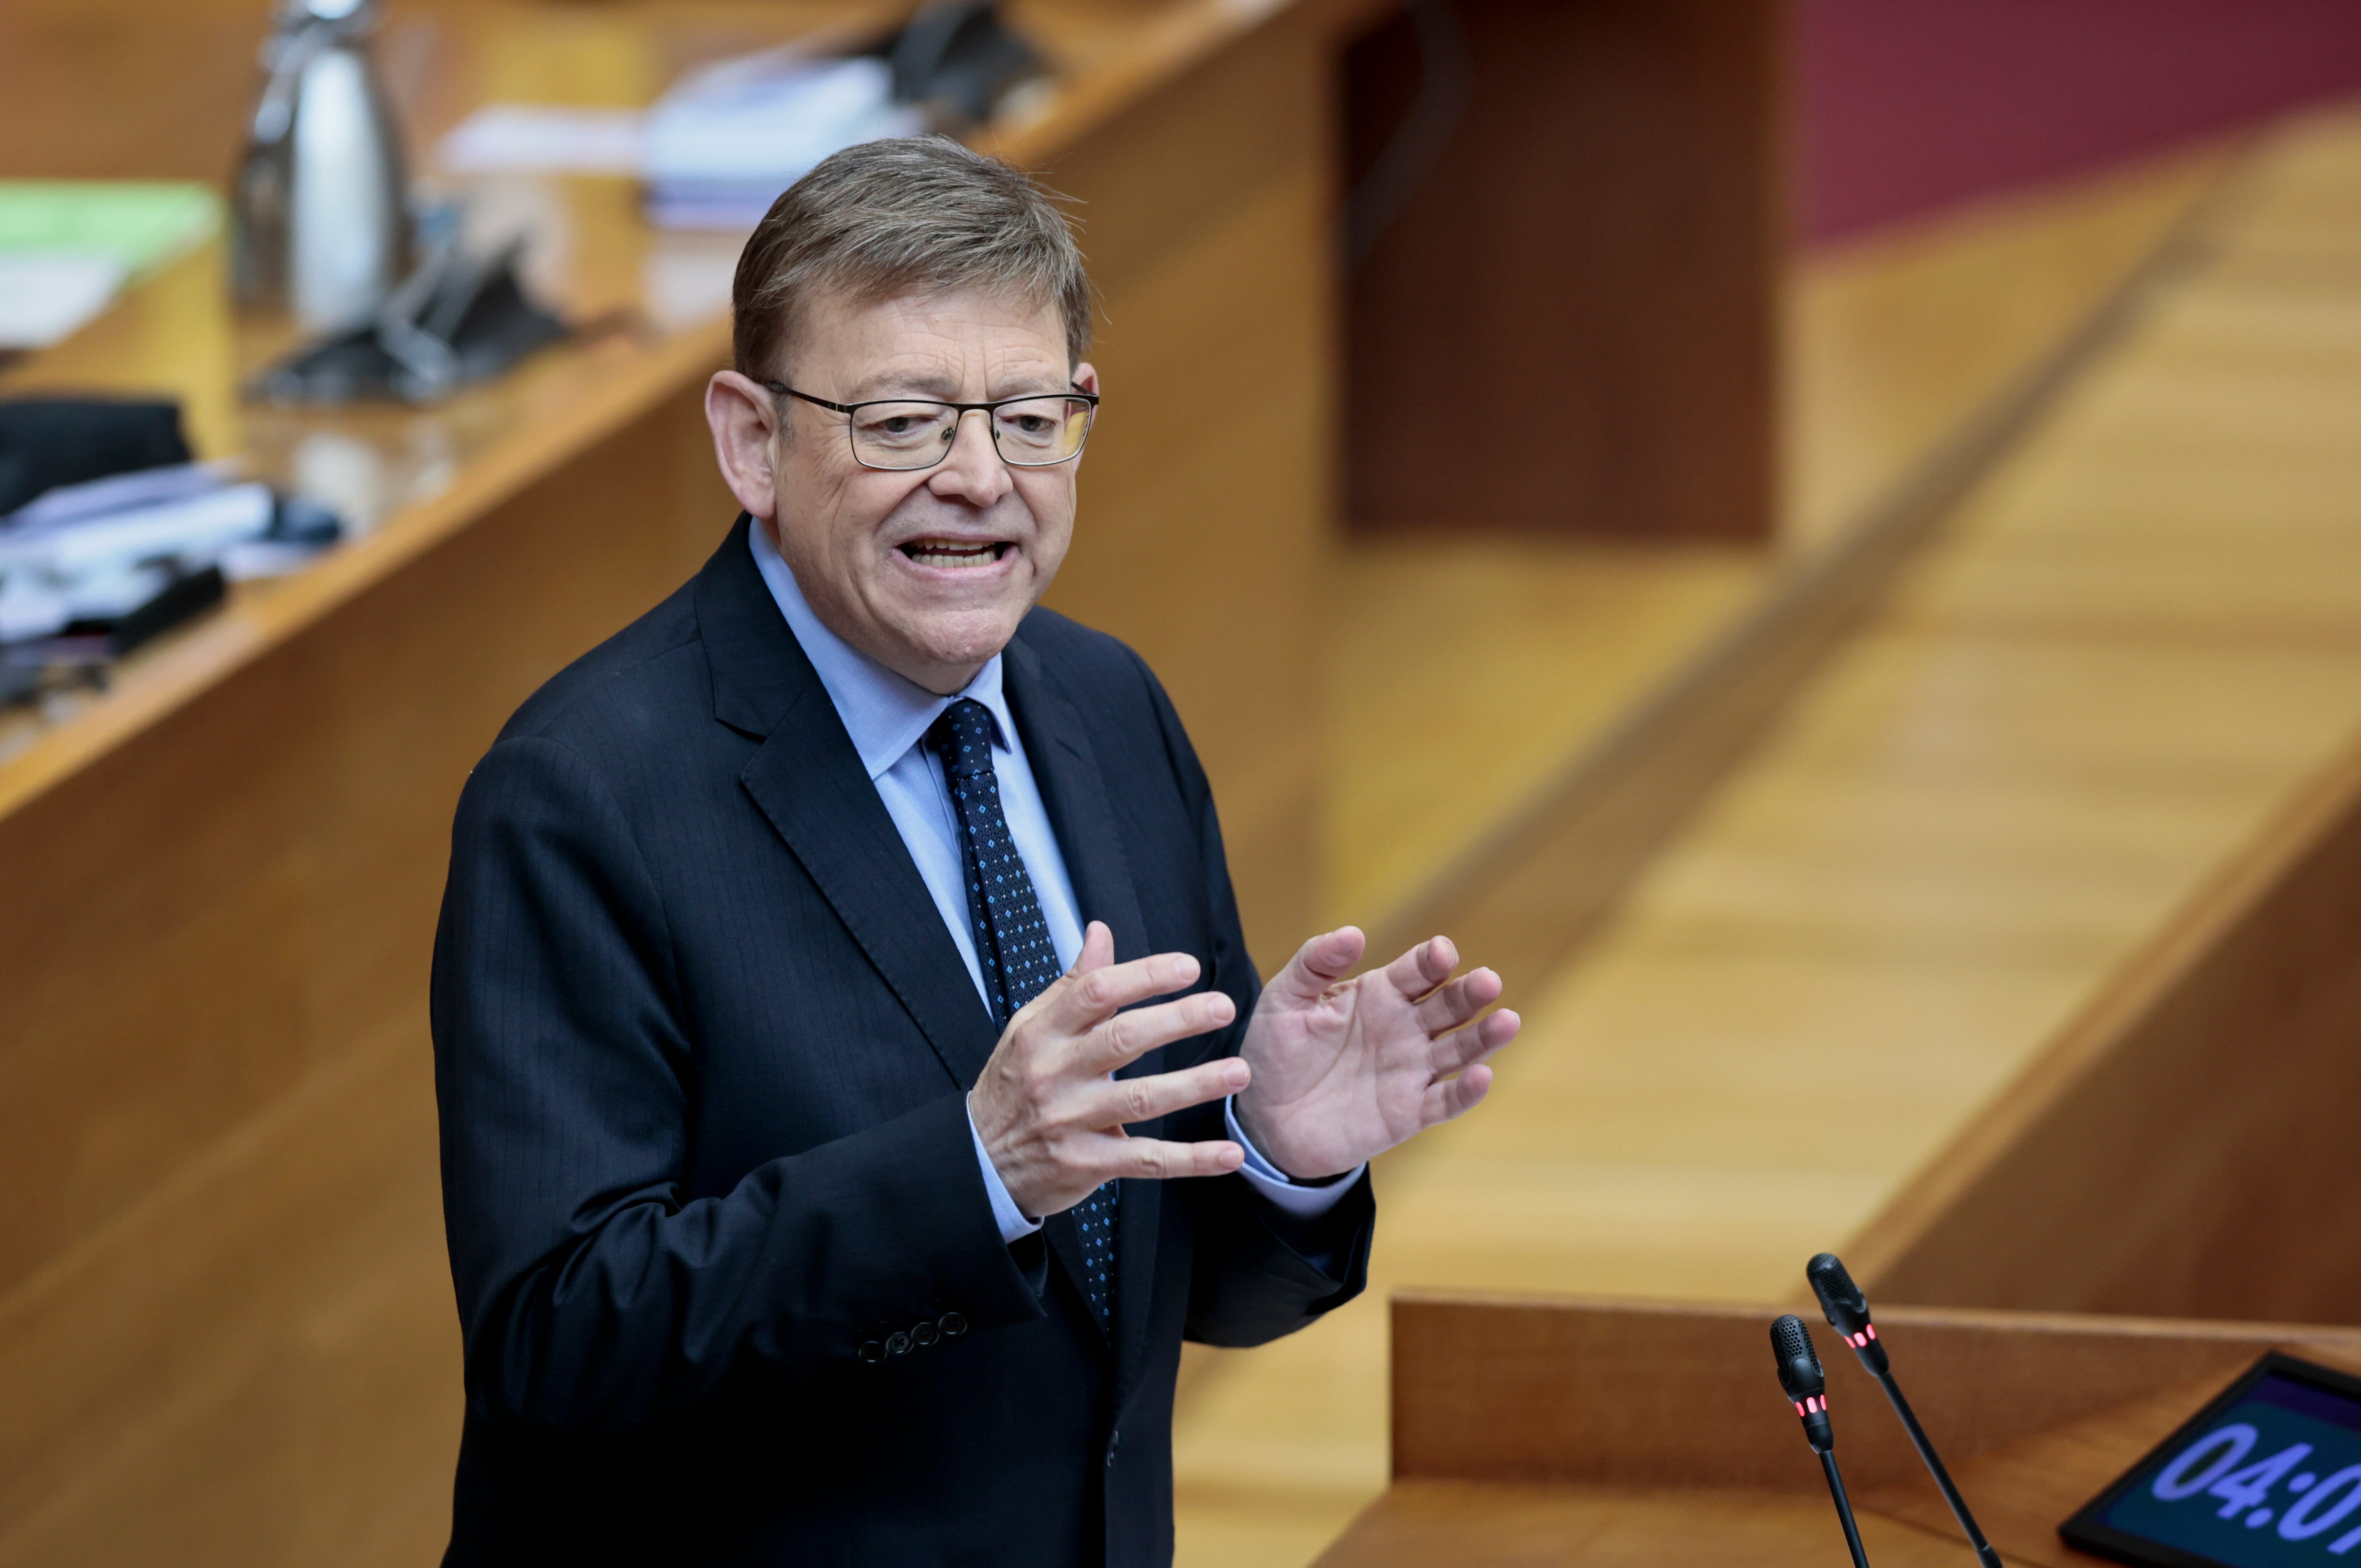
(960, 639)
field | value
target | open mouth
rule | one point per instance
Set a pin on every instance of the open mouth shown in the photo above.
(954, 554)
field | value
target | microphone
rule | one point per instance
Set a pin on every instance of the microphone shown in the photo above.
(1799, 1375)
(1848, 1314)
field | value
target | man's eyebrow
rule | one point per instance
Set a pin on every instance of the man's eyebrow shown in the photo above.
(896, 384)
(937, 388)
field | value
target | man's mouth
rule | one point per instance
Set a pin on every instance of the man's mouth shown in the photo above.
(954, 554)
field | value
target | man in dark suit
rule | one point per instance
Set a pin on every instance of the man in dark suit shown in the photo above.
(839, 977)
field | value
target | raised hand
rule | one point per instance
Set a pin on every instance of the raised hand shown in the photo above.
(1345, 1069)
(1052, 1122)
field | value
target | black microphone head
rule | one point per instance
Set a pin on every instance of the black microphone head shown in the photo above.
(1799, 1367)
(1840, 1299)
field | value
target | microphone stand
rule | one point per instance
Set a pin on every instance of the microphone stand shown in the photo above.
(1847, 1311)
(1801, 1380)
(1985, 1555)
(1844, 1509)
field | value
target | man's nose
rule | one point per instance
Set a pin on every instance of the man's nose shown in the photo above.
(972, 470)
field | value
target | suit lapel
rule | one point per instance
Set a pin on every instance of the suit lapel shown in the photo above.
(1065, 769)
(809, 780)
(1074, 792)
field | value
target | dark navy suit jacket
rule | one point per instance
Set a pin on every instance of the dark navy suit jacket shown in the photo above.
(729, 1282)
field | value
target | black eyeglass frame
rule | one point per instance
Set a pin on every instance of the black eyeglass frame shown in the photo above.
(960, 409)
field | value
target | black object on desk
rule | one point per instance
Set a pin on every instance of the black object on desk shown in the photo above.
(186, 595)
(457, 321)
(81, 648)
(957, 58)
(2266, 1476)
(49, 442)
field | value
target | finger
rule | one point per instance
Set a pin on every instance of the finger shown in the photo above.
(1455, 1097)
(1467, 1047)
(1424, 968)
(1098, 948)
(1126, 1038)
(1076, 1003)
(1160, 1160)
(1321, 963)
(1130, 1100)
(1098, 952)
(1452, 1005)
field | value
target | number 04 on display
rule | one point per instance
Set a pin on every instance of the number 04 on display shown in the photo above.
(2269, 1474)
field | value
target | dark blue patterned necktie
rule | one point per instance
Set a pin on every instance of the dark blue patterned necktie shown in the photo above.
(1012, 940)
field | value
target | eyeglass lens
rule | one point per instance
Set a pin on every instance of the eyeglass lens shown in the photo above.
(1032, 432)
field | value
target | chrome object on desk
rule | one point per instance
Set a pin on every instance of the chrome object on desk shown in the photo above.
(320, 221)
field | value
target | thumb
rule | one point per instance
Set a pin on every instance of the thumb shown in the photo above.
(1320, 963)
(1098, 948)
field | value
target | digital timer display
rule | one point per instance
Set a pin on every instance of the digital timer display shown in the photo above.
(2266, 1476)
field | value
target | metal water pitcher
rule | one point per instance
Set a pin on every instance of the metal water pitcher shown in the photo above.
(321, 223)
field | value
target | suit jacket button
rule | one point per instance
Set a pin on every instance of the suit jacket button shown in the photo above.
(870, 1351)
(898, 1344)
(953, 1325)
(1115, 1441)
(924, 1334)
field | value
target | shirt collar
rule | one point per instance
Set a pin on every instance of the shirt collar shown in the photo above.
(886, 713)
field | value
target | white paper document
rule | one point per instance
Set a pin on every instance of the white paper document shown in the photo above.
(44, 297)
(545, 138)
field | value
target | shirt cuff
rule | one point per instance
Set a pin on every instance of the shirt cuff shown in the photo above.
(1305, 1199)
(1013, 1225)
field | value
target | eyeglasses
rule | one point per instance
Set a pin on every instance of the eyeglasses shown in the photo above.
(900, 434)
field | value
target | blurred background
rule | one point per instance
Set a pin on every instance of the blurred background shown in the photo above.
(1822, 539)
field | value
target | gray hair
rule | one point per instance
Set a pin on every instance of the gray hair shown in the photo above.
(906, 215)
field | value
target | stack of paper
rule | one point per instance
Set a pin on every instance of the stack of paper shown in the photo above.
(715, 151)
(727, 140)
(544, 139)
(95, 552)
(67, 246)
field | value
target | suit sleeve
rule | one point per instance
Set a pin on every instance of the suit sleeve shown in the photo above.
(592, 1296)
(1254, 1276)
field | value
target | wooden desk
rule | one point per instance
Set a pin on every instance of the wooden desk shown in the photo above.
(1532, 1431)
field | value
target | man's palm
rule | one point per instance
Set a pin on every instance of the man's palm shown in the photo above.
(1345, 1069)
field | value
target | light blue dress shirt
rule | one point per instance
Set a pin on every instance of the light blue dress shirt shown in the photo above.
(887, 717)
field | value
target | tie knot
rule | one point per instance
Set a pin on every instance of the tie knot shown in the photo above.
(963, 734)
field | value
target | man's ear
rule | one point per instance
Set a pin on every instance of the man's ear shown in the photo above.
(743, 419)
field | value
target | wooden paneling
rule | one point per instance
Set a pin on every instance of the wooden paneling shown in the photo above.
(260, 1364)
(1647, 1394)
(2186, 1145)
(1570, 326)
(222, 1291)
(192, 67)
